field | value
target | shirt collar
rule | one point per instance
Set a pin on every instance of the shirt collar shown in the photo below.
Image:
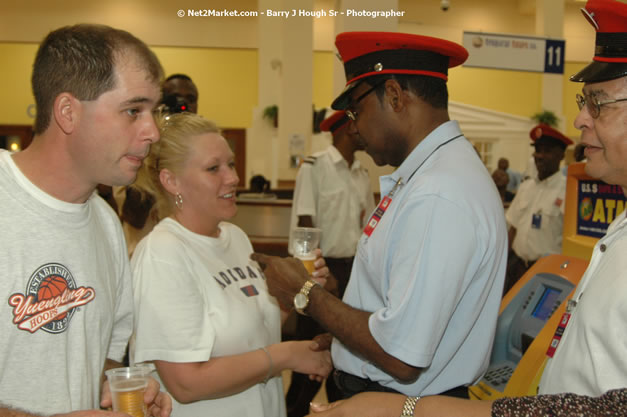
(419, 154)
(336, 157)
(550, 180)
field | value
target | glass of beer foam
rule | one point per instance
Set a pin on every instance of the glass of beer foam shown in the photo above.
(304, 241)
(127, 387)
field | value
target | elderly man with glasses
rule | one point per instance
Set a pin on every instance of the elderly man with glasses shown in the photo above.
(590, 358)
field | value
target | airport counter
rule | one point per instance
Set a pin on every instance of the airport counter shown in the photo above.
(266, 221)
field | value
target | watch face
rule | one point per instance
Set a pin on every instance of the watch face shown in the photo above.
(300, 301)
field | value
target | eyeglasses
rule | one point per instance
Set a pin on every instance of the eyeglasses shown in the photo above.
(593, 104)
(352, 114)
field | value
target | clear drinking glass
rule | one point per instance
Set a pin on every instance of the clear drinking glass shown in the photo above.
(127, 387)
(304, 241)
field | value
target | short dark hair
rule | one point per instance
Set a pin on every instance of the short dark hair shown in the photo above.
(430, 89)
(180, 76)
(81, 60)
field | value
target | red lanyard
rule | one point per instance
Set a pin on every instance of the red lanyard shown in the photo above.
(380, 211)
(387, 200)
(559, 332)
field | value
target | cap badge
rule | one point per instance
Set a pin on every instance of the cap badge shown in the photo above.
(378, 66)
(538, 133)
(590, 18)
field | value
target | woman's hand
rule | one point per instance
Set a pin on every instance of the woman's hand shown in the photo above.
(304, 360)
(365, 404)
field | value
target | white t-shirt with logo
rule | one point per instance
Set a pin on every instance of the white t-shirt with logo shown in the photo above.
(198, 297)
(65, 296)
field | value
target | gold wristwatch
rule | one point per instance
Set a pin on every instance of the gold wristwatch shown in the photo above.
(409, 406)
(301, 299)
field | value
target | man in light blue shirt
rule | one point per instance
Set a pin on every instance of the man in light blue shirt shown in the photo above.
(420, 309)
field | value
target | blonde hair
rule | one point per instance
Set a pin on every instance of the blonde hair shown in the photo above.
(170, 152)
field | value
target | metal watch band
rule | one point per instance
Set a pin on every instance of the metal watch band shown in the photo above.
(408, 407)
(305, 289)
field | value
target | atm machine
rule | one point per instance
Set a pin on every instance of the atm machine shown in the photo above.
(527, 320)
(532, 309)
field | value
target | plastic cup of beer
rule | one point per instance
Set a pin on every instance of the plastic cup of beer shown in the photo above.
(127, 386)
(304, 241)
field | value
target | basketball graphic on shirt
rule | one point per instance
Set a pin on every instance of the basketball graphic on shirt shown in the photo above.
(50, 287)
(50, 300)
(50, 281)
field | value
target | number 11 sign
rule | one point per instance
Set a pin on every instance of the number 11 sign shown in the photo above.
(518, 53)
(554, 56)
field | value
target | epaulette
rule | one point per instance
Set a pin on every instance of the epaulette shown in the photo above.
(310, 160)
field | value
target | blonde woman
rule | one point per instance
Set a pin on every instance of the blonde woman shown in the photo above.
(203, 312)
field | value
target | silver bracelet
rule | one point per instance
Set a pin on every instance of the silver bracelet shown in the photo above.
(270, 367)
(409, 406)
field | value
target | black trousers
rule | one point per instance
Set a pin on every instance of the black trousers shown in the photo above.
(302, 390)
(350, 385)
(341, 270)
(516, 268)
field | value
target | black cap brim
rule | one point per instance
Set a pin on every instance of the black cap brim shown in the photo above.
(343, 100)
(600, 71)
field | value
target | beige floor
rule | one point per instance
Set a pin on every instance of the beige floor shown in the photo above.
(321, 396)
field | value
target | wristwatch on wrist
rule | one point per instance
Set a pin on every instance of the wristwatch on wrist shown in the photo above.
(301, 299)
(409, 406)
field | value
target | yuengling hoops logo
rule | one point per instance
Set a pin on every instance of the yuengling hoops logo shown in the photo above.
(50, 300)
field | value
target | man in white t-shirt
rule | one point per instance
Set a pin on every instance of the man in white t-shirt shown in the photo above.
(66, 313)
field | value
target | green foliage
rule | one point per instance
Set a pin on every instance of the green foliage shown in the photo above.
(271, 113)
(546, 117)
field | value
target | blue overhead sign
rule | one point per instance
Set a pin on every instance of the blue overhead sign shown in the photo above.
(521, 53)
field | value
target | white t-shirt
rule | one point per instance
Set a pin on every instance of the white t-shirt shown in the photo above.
(591, 357)
(52, 363)
(337, 197)
(198, 297)
(545, 200)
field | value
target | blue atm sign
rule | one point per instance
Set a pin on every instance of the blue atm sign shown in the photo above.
(520, 53)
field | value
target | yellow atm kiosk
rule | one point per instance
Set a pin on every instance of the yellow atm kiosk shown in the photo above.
(531, 310)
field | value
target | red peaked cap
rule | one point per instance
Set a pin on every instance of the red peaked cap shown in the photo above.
(334, 122)
(366, 54)
(545, 132)
(609, 19)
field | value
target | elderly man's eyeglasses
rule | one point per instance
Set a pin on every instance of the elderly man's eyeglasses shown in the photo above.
(352, 114)
(593, 104)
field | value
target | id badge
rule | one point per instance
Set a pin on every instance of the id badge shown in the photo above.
(380, 211)
(536, 221)
(559, 332)
(376, 216)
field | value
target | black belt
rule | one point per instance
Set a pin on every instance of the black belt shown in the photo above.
(350, 385)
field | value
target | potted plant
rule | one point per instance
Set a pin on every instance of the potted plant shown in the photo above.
(272, 113)
(547, 117)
